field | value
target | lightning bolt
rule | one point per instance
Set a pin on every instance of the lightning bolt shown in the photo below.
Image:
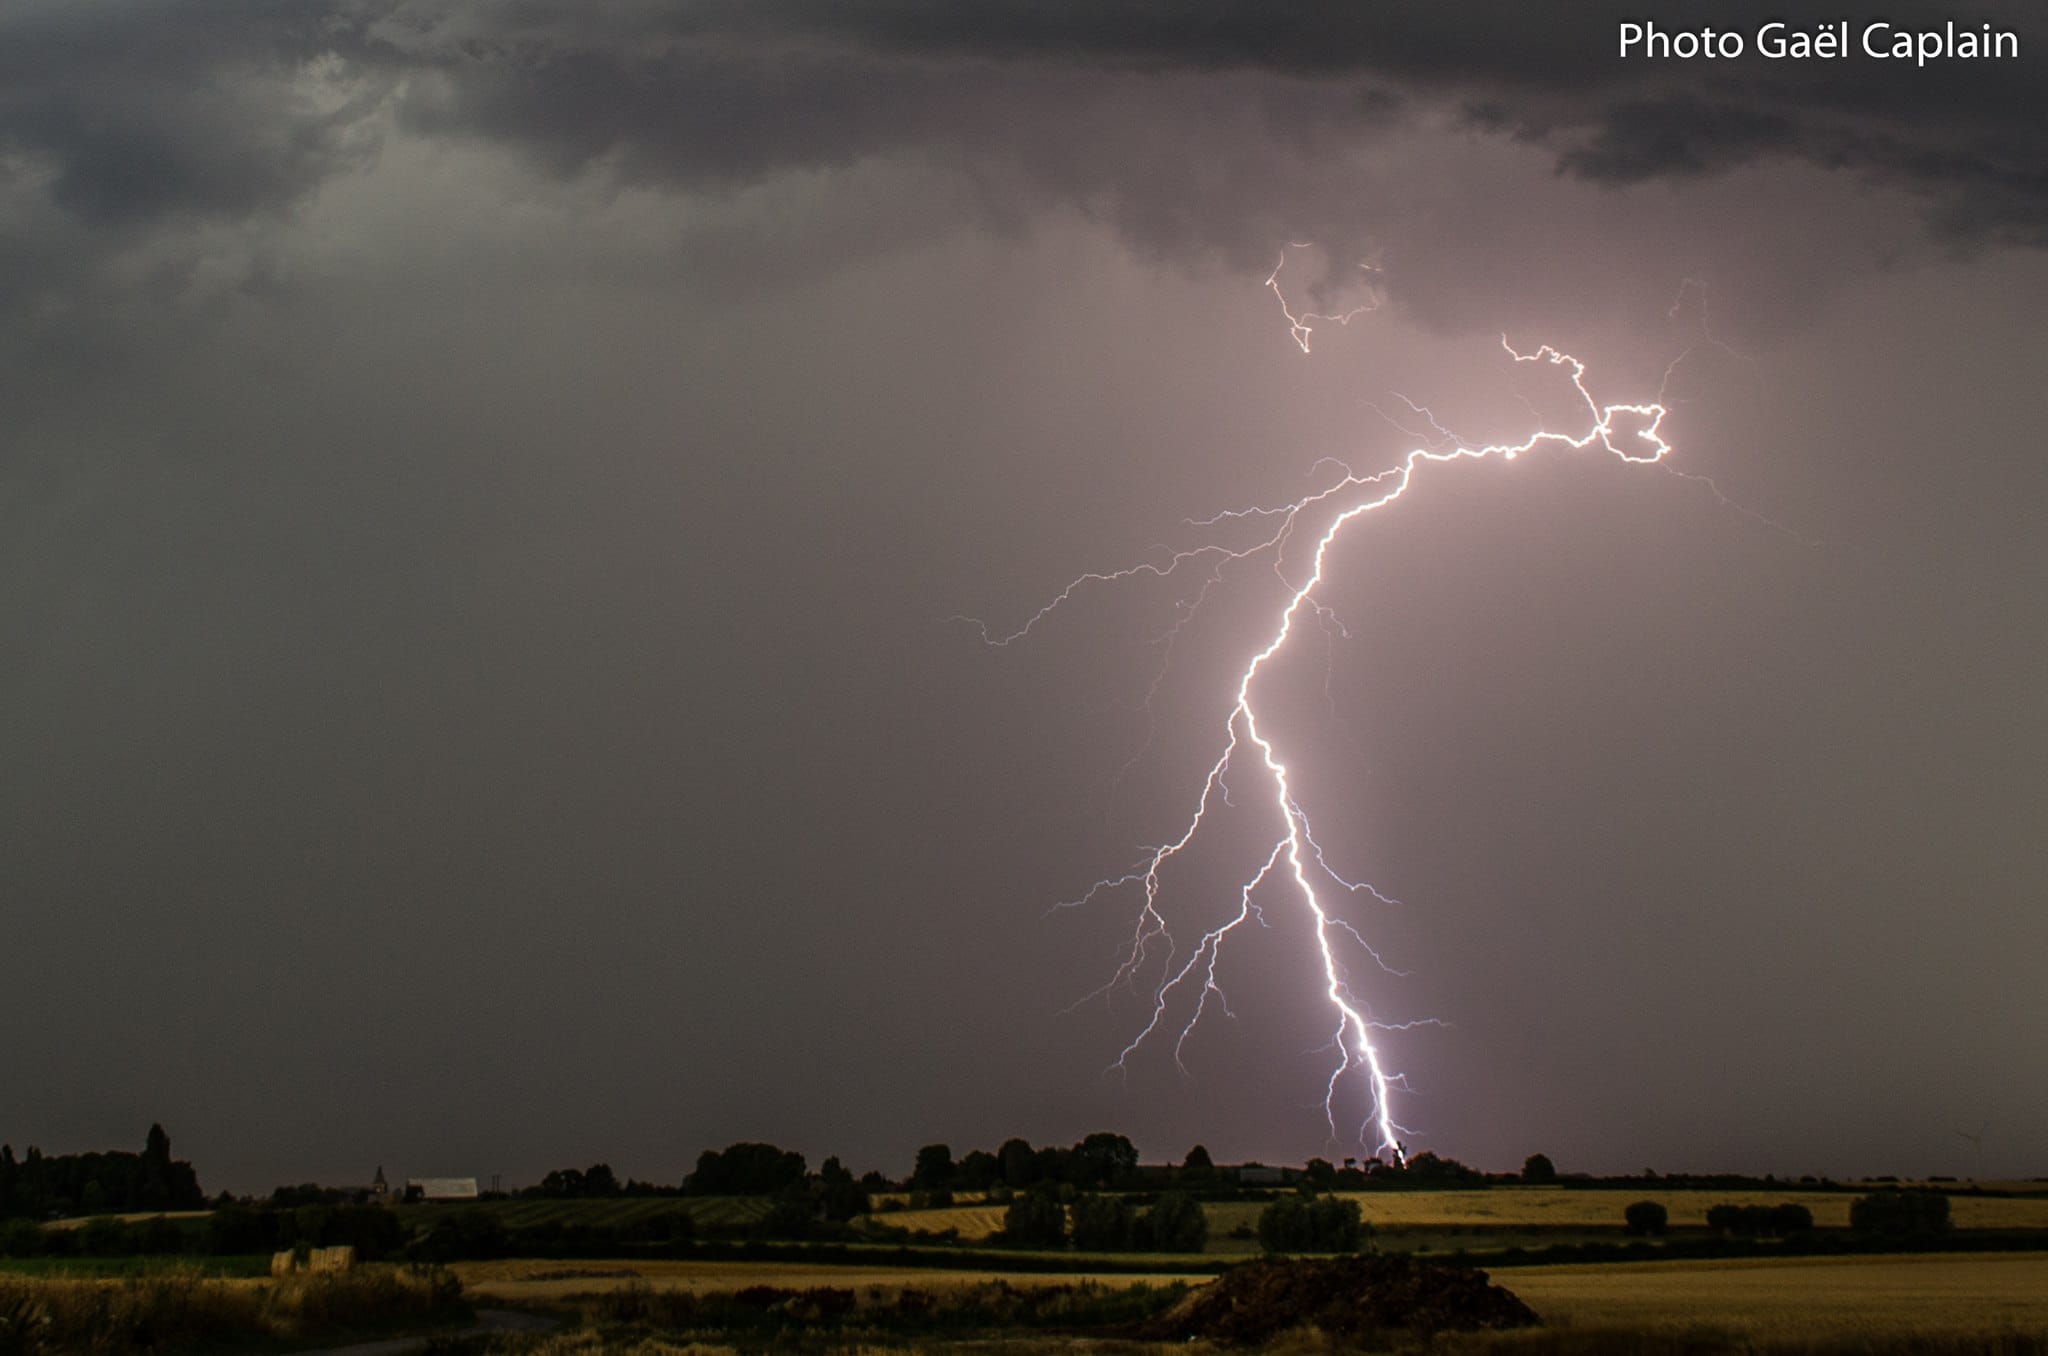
(1294, 861)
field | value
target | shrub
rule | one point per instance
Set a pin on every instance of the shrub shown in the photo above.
(1103, 1223)
(1035, 1220)
(1646, 1217)
(1175, 1223)
(1901, 1214)
(1760, 1221)
(1298, 1224)
(21, 1238)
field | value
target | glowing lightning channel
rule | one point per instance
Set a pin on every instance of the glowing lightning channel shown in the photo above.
(1628, 431)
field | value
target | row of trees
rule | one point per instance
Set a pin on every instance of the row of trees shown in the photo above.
(1101, 1161)
(1041, 1218)
(1890, 1214)
(38, 1187)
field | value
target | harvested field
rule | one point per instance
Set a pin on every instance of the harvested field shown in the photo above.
(975, 1222)
(1558, 1208)
(1800, 1298)
(1507, 1210)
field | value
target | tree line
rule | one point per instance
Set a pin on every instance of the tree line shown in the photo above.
(41, 1187)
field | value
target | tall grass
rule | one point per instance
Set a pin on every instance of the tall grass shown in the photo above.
(173, 1311)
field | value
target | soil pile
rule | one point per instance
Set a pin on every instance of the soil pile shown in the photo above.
(1346, 1297)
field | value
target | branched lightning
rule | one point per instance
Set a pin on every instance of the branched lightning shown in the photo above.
(1294, 859)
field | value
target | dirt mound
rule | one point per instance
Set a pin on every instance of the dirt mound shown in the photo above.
(1346, 1297)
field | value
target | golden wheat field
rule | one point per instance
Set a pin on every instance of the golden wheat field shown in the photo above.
(1799, 1298)
(543, 1281)
(1507, 1208)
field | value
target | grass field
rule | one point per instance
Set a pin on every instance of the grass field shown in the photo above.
(135, 1218)
(1833, 1300)
(1508, 1209)
(1943, 1303)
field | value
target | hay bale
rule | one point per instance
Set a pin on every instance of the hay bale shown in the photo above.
(340, 1258)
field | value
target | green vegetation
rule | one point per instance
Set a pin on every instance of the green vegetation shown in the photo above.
(1312, 1224)
(1647, 1217)
(1763, 1221)
(37, 1187)
(1901, 1214)
(183, 1310)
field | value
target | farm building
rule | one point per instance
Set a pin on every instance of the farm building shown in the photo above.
(441, 1189)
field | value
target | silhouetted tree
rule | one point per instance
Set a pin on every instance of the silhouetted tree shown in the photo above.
(978, 1171)
(1322, 1224)
(745, 1170)
(1017, 1163)
(1198, 1168)
(840, 1198)
(1646, 1217)
(1537, 1168)
(1175, 1223)
(565, 1183)
(1035, 1219)
(1105, 1160)
(1901, 1214)
(934, 1167)
(1103, 1223)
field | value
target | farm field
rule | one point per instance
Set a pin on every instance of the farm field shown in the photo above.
(545, 1281)
(1799, 1299)
(1499, 1210)
(134, 1218)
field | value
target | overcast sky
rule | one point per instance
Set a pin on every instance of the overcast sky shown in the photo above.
(484, 486)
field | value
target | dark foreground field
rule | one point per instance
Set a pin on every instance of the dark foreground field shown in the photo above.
(1908, 1305)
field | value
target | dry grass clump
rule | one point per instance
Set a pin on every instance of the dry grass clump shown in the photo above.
(185, 1310)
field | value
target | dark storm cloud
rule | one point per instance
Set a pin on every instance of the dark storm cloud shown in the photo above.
(1208, 129)
(725, 91)
(134, 112)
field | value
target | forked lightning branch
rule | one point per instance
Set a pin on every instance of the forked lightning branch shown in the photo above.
(1289, 864)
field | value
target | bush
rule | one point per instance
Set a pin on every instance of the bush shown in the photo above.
(1103, 1223)
(1035, 1220)
(1175, 1223)
(1761, 1221)
(1646, 1217)
(21, 1238)
(1539, 1169)
(1901, 1214)
(1298, 1224)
